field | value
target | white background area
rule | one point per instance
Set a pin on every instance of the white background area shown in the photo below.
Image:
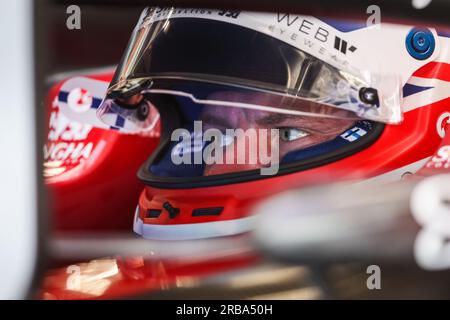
(18, 207)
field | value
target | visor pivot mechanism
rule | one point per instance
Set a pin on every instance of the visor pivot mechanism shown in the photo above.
(130, 88)
(369, 96)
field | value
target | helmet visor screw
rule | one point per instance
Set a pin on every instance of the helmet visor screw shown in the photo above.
(369, 96)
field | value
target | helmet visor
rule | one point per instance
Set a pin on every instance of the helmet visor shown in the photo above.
(172, 47)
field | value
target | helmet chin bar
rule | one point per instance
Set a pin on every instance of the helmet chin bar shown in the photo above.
(190, 231)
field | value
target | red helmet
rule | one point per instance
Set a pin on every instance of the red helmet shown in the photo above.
(311, 100)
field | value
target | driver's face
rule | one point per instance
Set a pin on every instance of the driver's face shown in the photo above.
(295, 132)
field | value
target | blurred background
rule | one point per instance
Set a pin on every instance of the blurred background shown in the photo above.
(101, 41)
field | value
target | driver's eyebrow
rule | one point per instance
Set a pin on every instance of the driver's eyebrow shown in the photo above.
(215, 119)
(311, 124)
(276, 118)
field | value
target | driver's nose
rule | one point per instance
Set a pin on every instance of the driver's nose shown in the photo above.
(242, 154)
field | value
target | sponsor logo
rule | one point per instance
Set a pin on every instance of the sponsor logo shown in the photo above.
(342, 45)
(312, 36)
(441, 159)
(79, 100)
(229, 14)
(69, 152)
(442, 123)
(67, 144)
(304, 26)
(353, 134)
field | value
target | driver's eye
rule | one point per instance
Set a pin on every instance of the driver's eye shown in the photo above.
(291, 134)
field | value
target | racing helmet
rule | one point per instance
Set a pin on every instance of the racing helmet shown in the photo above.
(254, 103)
